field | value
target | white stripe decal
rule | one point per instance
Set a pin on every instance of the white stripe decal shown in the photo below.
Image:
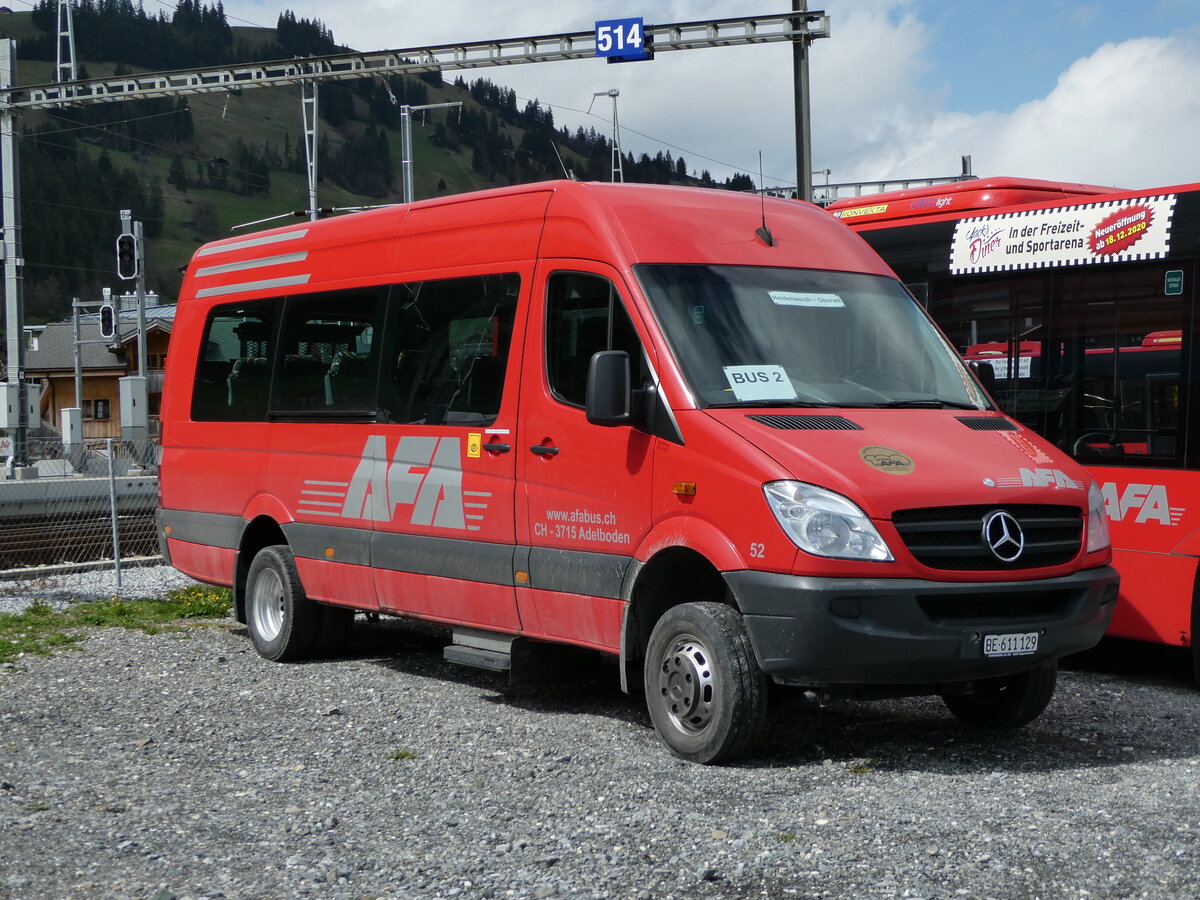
(254, 285)
(252, 264)
(252, 242)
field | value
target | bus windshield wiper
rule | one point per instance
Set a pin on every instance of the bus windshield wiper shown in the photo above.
(771, 404)
(929, 403)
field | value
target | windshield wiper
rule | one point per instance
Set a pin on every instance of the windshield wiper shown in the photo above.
(930, 403)
(771, 404)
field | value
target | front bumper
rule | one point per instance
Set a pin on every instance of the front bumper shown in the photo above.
(882, 631)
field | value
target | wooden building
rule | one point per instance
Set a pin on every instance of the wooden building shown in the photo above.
(50, 359)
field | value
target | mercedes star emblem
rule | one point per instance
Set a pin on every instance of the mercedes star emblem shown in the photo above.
(1002, 533)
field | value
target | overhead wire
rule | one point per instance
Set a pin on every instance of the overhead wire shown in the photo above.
(650, 137)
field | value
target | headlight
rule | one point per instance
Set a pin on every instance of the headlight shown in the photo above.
(824, 523)
(1097, 523)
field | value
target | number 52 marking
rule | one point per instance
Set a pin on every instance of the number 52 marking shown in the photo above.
(758, 551)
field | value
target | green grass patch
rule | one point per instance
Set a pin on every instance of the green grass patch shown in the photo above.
(41, 630)
(403, 753)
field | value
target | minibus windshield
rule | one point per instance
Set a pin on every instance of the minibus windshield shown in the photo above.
(756, 336)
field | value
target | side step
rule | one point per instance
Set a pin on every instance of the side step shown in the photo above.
(481, 649)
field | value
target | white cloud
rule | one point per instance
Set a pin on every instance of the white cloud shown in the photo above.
(1127, 115)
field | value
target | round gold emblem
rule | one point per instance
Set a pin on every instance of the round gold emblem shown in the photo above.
(885, 459)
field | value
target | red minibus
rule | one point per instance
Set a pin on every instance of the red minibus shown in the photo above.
(1083, 300)
(706, 433)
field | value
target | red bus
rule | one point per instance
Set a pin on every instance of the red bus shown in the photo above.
(708, 434)
(1083, 299)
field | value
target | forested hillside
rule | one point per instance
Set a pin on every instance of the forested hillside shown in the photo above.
(191, 168)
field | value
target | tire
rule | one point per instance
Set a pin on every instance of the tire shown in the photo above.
(706, 695)
(1006, 702)
(282, 621)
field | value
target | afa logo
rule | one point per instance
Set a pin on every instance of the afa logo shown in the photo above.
(1139, 503)
(1027, 477)
(424, 475)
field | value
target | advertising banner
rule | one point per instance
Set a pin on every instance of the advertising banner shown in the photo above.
(1112, 231)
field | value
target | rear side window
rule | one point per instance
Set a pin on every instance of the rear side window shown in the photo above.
(425, 353)
(233, 377)
(449, 343)
(328, 354)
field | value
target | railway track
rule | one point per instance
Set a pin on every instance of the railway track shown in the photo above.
(27, 541)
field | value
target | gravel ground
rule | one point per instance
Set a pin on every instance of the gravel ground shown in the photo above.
(181, 765)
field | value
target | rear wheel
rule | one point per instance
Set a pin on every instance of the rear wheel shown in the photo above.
(1009, 701)
(706, 695)
(282, 621)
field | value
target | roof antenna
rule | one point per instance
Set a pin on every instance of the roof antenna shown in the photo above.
(763, 231)
(569, 175)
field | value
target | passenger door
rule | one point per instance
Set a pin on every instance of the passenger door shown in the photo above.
(584, 489)
(436, 477)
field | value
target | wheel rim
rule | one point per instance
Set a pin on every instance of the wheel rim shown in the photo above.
(687, 684)
(266, 605)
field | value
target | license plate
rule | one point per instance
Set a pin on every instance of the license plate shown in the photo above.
(1010, 644)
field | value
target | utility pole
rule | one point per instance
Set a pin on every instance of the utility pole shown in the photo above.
(64, 69)
(135, 418)
(803, 113)
(308, 109)
(406, 152)
(618, 172)
(16, 391)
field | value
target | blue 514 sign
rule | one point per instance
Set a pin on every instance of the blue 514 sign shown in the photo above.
(621, 40)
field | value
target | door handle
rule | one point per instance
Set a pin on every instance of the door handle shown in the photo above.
(496, 447)
(543, 450)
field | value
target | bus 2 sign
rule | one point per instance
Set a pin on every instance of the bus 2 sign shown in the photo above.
(621, 40)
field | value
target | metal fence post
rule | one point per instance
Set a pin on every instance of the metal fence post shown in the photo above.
(112, 507)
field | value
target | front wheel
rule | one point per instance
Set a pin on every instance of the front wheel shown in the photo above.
(1009, 701)
(706, 694)
(282, 621)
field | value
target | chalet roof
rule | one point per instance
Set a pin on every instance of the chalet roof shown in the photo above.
(56, 342)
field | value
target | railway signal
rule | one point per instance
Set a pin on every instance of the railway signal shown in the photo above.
(127, 257)
(108, 321)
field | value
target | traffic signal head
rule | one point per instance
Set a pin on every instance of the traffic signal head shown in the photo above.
(108, 321)
(127, 261)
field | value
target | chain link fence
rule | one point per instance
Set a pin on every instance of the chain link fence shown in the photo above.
(90, 505)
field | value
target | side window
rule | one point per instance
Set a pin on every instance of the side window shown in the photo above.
(233, 375)
(327, 354)
(449, 343)
(584, 315)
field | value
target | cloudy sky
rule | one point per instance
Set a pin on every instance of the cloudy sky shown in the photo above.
(1102, 92)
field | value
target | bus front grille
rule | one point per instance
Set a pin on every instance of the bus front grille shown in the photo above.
(952, 537)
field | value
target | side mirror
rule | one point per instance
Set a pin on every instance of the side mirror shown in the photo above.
(609, 394)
